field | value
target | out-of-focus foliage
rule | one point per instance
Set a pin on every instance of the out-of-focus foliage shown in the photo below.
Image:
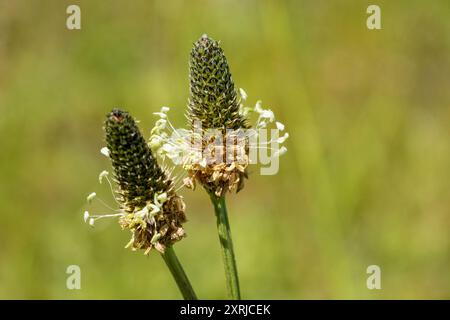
(366, 179)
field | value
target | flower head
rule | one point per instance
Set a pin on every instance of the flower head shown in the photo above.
(214, 104)
(217, 148)
(148, 204)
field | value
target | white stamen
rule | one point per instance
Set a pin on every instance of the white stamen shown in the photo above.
(86, 216)
(268, 114)
(243, 94)
(102, 175)
(280, 152)
(280, 126)
(91, 197)
(283, 138)
(105, 151)
(258, 107)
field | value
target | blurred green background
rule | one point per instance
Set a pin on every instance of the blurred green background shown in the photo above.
(366, 179)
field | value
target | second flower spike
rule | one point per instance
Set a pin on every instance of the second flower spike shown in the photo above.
(214, 107)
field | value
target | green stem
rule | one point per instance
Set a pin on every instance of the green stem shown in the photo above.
(178, 273)
(226, 243)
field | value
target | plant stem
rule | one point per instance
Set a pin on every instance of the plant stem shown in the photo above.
(178, 273)
(226, 243)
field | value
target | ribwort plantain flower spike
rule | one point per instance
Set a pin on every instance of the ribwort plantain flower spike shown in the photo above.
(153, 212)
(215, 104)
(148, 204)
(217, 148)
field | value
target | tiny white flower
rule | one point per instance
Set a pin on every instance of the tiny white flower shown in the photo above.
(268, 114)
(258, 107)
(283, 138)
(102, 175)
(165, 109)
(280, 126)
(243, 94)
(91, 222)
(91, 197)
(262, 123)
(105, 151)
(280, 152)
(86, 216)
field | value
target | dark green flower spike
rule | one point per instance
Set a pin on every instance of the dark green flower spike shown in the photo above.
(213, 99)
(152, 210)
